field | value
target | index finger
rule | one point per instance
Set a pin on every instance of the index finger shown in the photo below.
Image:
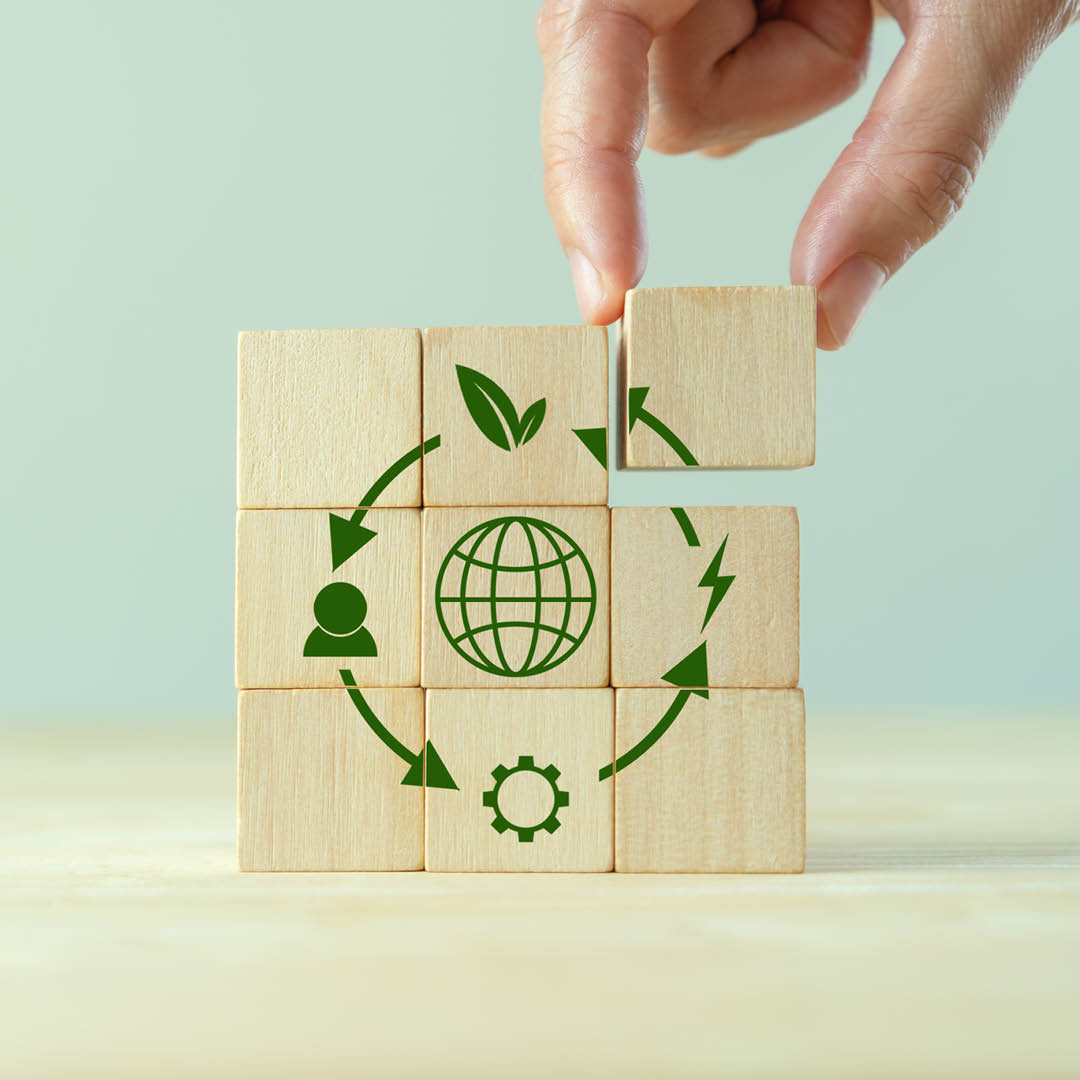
(592, 129)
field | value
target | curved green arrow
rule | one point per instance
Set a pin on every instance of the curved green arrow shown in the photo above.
(438, 775)
(687, 526)
(636, 411)
(691, 675)
(349, 535)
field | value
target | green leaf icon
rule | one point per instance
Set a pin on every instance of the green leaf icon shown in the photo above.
(531, 419)
(494, 412)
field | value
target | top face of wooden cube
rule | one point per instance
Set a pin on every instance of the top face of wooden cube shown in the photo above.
(509, 404)
(321, 414)
(730, 371)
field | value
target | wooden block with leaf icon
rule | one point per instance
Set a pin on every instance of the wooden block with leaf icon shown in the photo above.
(522, 415)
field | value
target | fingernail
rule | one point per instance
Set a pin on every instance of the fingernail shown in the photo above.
(588, 285)
(845, 296)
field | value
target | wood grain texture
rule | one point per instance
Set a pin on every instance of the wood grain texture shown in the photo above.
(317, 791)
(658, 606)
(723, 791)
(282, 563)
(443, 528)
(729, 370)
(321, 414)
(565, 365)
(476, 731)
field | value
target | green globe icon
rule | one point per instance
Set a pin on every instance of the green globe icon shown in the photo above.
(515, 596)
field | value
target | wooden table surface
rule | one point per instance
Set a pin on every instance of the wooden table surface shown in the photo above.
(936, 931)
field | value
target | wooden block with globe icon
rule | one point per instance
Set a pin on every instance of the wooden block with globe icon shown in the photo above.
(515, 596)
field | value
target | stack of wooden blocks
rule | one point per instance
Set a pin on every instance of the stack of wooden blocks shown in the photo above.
(453, 655)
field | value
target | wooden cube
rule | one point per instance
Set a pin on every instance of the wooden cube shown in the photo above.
(521, 412)
(719, 377)
(527, 766)
(668, 596)
(323, 413)
(721, 791)
(298, 621)
(515, 596)
(318, 791)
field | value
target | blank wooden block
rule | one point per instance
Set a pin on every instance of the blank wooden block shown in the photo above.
(527, 766)
(282, 567)
(722, 791)
(659, 607)
(318, 791)
(565, 367)
(730, 371)
(322, 413)
(539, 619)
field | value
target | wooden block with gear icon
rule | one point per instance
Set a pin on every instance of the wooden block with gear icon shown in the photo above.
(526, 764)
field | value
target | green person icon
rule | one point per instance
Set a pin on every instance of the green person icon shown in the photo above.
(340, 609)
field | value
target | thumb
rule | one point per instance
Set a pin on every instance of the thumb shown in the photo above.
(911, 162)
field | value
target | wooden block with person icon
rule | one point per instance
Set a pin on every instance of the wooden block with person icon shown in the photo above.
(299, 621)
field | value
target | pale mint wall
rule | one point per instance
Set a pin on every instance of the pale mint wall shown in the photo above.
(172, 173)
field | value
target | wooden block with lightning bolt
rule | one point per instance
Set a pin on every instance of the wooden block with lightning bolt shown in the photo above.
(323, 414)
(710, 781)
(527, 791)
(719, 377)
(321, 786)
(521, 415)
(709, 592)
(301, 617)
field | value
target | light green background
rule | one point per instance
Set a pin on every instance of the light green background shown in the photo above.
(173, 173)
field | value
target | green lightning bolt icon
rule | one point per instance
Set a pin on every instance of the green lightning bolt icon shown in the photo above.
(719, 583)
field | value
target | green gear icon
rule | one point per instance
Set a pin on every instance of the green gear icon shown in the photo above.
(525, 833)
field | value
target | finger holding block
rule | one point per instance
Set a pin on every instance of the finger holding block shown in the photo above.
(316, 790)
(723, 377)
(526, 764)
(736, 588)
(723, 789)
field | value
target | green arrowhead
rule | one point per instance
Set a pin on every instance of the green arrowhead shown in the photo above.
(595, 440)
(438, 775)
(635, 404)
(691, 673)
(347, 537)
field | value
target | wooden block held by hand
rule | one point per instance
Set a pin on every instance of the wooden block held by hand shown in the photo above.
(298, 622)
(318, 791)
(668, 596)
(515, 596)
(728, 371)
(722, 790)
(321, 414)
(527, 766)
(521, 412)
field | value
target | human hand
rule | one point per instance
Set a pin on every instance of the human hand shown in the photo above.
(714, 75)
